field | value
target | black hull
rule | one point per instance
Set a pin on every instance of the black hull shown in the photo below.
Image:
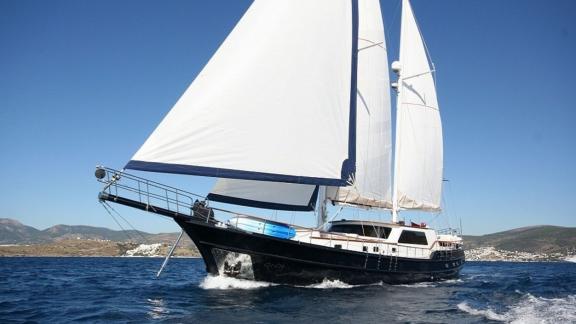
(292, 262)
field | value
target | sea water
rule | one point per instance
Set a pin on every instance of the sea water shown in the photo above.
(126, 290)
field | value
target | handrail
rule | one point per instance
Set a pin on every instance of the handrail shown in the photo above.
(124, 174)
(125, 185)
(448, 231)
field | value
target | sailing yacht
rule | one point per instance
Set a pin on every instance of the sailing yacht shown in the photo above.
(292, 112)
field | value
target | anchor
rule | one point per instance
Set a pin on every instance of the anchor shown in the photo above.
(232, 271)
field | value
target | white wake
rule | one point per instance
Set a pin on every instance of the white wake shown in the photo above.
(224, 282)
(330, 284)
(531, 310)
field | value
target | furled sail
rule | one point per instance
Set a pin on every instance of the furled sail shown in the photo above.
(265, 194)
(254, 110)
(372, 183)
(418, 160)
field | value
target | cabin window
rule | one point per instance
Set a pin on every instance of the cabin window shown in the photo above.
(384, 232)
(352, 229)
(338, 246)
(375, 249)
(363, 230)
(413, 237)
(365, 248)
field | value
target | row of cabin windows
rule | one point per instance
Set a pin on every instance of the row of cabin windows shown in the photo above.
(374, 249)
(408, 237)
(364, 248)
(364, 230)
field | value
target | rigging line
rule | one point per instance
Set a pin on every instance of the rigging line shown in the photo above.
(127, 222)
(418, 74)
(394, 17)
(434, 219)
(425, 46)
(328, 220)
(379, 44)
(447, 193)
(443, 204)
(115, 220)
(371, 41)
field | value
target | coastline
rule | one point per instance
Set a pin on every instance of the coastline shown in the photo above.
(95, 248)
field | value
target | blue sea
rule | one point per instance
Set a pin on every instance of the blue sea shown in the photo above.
(61, 290)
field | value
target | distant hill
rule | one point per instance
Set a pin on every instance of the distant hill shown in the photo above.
(14, 232)
(533, 239)
(60, 232)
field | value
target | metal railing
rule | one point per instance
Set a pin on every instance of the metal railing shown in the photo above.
(450, 231)
(148, 192)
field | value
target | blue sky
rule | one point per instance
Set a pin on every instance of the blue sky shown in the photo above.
(84, 82)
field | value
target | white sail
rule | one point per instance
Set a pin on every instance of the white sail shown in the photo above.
(372, 184)
(274, 103)
(418, 159)
(265, 194)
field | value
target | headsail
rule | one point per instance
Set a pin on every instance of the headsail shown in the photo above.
(373, 181)
(418, 159)
(253, 111)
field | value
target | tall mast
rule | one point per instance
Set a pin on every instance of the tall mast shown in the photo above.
(322, 211)
(396, 67)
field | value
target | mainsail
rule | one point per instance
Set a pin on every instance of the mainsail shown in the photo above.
(371, 186)
(418, 159)
(372, 183)
(253, 111)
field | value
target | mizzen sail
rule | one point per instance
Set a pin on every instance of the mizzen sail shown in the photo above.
(418, 160)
